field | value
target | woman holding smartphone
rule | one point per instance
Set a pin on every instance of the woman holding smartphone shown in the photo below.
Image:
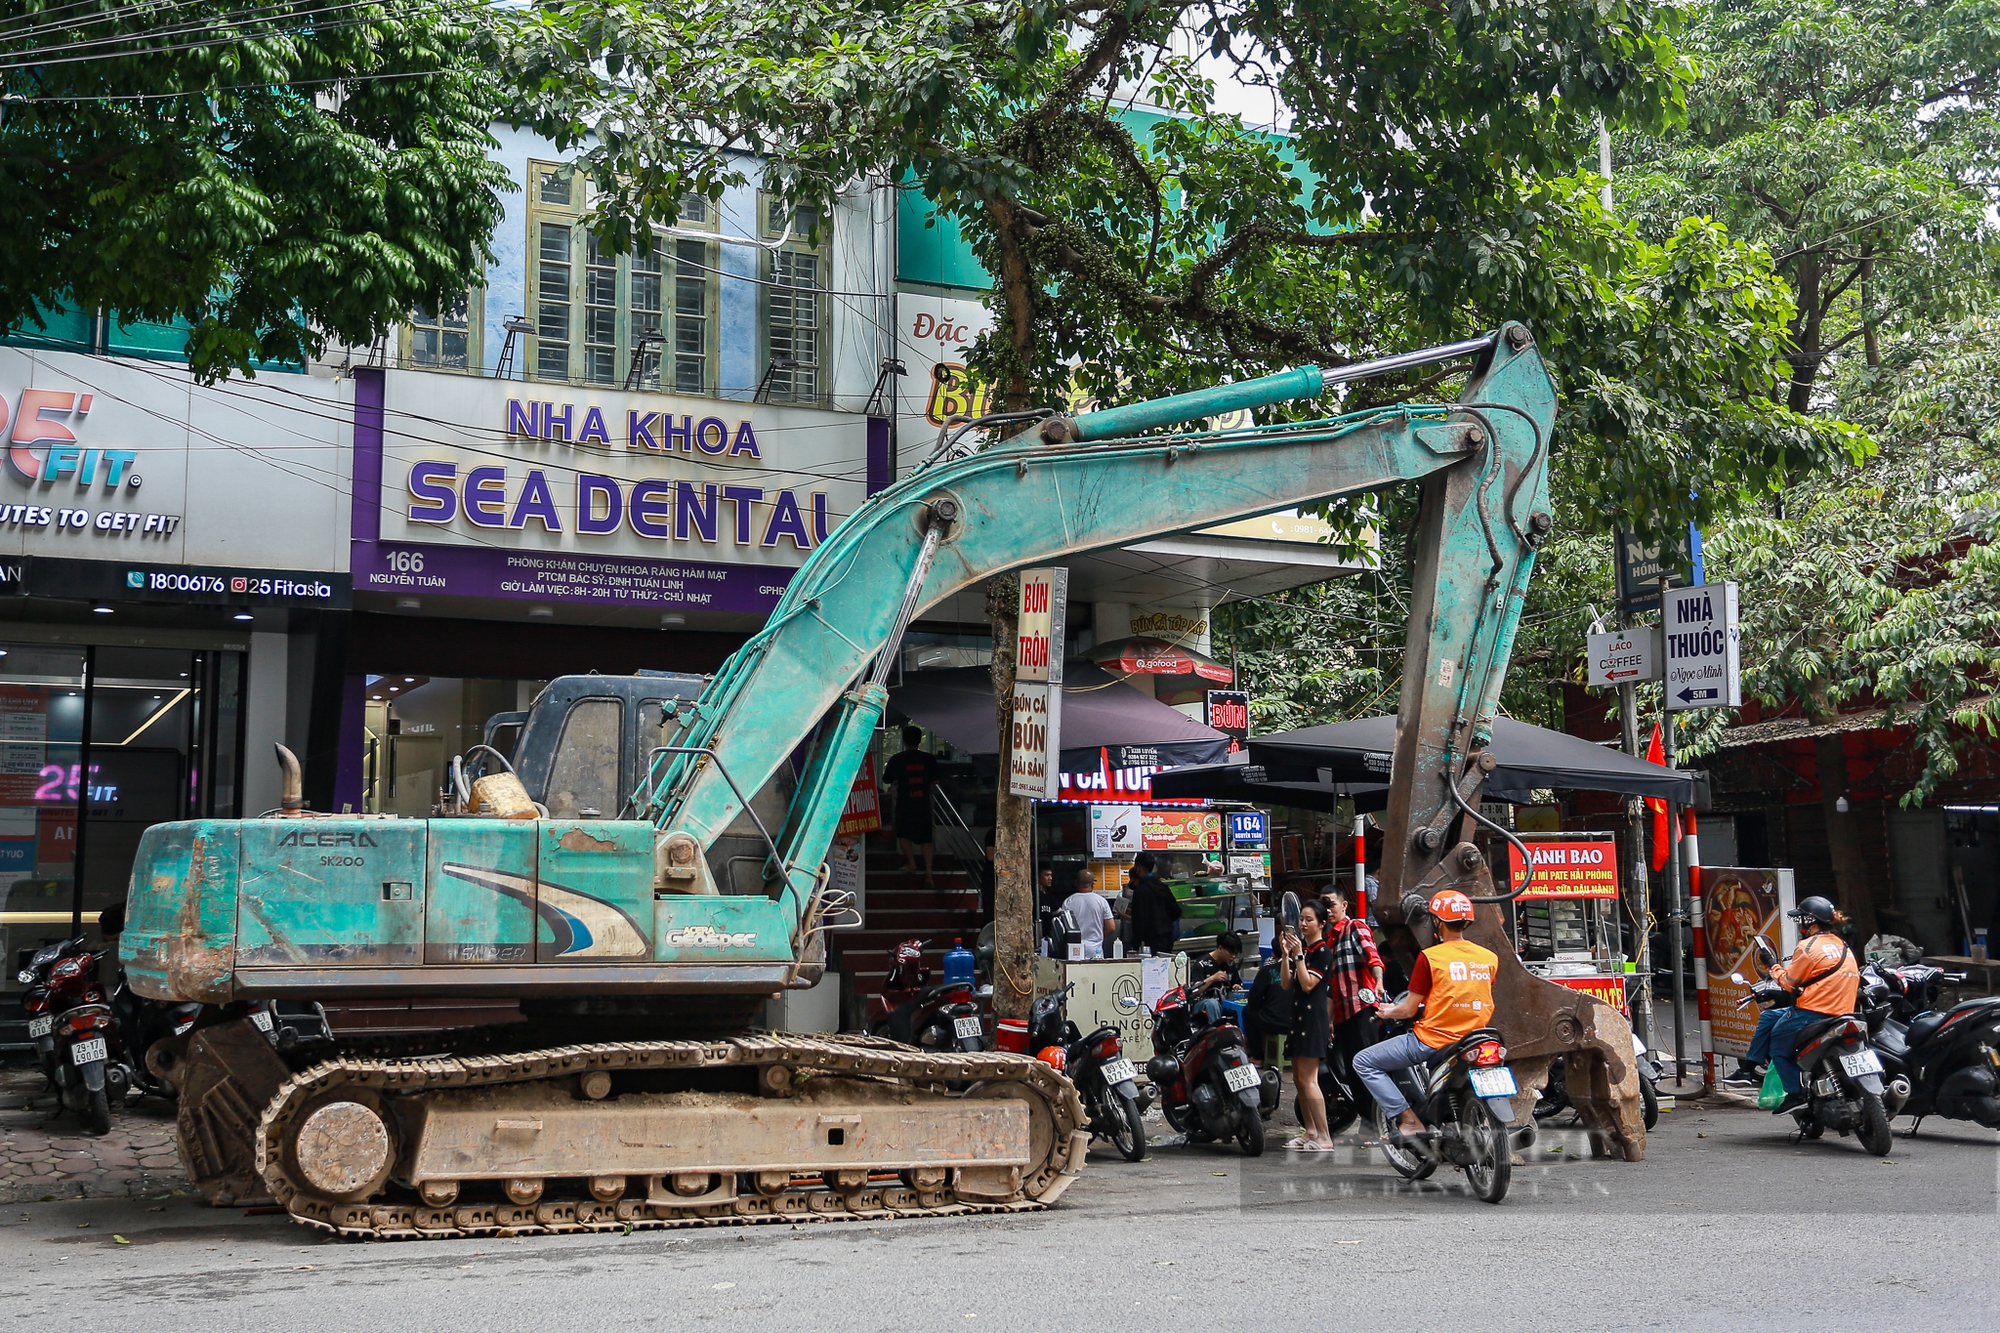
(1305, 962)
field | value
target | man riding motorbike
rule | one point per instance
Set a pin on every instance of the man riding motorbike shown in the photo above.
(1452, 983)
(1824, 979)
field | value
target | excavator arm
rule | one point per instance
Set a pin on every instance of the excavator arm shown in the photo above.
(1094, 482)
(1099, 481)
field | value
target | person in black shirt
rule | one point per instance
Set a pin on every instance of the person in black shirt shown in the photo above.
(1305, 963)
(1154, 907)
(1218, 971)
(909, 777)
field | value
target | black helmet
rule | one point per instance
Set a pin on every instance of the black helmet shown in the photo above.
(1816, 907)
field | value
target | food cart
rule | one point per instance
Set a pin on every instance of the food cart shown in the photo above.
(1566, 926)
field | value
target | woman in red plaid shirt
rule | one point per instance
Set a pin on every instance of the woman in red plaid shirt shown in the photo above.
(1352, 991)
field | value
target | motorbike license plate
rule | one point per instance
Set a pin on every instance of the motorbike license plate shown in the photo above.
(262, 1018)
(967, 1027)
(1861, 1062)
(1493, 1082)
(1119, 1071)
(1241, 1077)
(85, 1051)
(41, 1027)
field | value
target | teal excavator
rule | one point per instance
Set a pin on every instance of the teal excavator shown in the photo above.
(537, 1016)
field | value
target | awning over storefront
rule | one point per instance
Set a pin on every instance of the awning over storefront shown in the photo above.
(1099, 712)
(1246, 782)
(1155, 657)
(1530, 757)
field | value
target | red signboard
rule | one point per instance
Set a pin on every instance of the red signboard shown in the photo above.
(1116, 786)
(1568, 868)
(864, 805)
(1611, 990)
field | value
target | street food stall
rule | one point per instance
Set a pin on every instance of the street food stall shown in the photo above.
(1565, 926)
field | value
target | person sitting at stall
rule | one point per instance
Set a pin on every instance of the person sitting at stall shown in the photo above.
(1091, 913)
(1267, 1010)
(1218, 971)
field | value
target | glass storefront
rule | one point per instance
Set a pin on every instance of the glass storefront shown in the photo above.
(417, 723)
(164, 741)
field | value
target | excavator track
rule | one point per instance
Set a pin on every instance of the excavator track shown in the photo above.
(344, 1145)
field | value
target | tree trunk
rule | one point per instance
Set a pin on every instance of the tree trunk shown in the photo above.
(1013, 840)
(1853, 886)
(1013, 875)
(1805, 333)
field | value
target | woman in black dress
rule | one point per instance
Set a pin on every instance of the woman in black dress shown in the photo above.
(1306, 964)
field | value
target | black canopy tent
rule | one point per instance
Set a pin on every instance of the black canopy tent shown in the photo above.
(1099, 711)
(1249, 783)
(1350, 758)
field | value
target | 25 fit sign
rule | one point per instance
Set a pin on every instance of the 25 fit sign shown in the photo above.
(42, 443)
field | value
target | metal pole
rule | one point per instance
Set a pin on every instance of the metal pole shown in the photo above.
(1676, 913)
(83, 793)
(1636, 886)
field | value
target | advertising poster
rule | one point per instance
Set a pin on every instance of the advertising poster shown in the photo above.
(1181, 831)
(864, 805)
(1737, 905)
(1115, 831)
(1034, 757)
(847, 872)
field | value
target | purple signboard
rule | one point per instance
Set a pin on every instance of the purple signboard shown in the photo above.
(556, 576)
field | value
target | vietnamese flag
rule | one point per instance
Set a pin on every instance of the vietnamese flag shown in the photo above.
(1656, 753)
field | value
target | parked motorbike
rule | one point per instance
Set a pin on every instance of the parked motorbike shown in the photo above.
(1210, 1088)
(38, 1002)
(154, 1035)
(1096, 1064)
(1944, 1064)
(1554, 1097)
(944, 1017)
(1839, 1071)
(1465, 1097)
(91, 1071)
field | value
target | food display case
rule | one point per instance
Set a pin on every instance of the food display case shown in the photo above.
(1565, 926)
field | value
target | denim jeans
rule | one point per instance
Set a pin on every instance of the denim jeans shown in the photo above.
(1760, 1040)
(1372, 1066)
(1784, 1038)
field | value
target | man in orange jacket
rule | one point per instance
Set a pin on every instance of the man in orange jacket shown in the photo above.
(1823, 975)
(1453, 983)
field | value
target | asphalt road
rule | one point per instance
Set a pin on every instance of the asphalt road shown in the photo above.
(1725, 1225)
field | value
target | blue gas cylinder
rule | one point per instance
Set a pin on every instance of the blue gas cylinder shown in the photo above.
(958, 964)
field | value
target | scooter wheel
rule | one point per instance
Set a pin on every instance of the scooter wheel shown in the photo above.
(100, 1113)
(1127, 1127)
(1651, 1099)
(1251, 1136)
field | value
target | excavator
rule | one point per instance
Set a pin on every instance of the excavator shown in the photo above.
(538, 1014)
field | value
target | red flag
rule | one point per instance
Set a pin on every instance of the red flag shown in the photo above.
(1656, 753)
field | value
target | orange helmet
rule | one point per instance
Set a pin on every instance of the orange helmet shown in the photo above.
(1055, 1057)
(1451, 905)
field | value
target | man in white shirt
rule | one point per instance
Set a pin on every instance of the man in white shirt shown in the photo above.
(1090, 911)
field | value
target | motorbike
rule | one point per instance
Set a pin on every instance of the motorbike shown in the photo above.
(1554, 1097)
(154, 1035)
(1839, 1071)
(1465, 1097)
(1096, 1064)
(39, 1004)
(944, 1017)
(91, 1071)
(1210, 1088)
(1943, 1064)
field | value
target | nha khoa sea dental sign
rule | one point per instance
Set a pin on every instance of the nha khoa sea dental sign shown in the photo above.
(550, 468)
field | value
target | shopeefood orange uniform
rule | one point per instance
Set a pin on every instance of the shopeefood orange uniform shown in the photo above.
(1826, 965)
(1456, 980)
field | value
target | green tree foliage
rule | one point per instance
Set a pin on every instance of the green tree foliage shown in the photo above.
(1882, 582)
(273, 174)
(1854, 139)
(1428, 190)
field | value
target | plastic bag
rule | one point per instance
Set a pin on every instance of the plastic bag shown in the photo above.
(1773, 1090)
